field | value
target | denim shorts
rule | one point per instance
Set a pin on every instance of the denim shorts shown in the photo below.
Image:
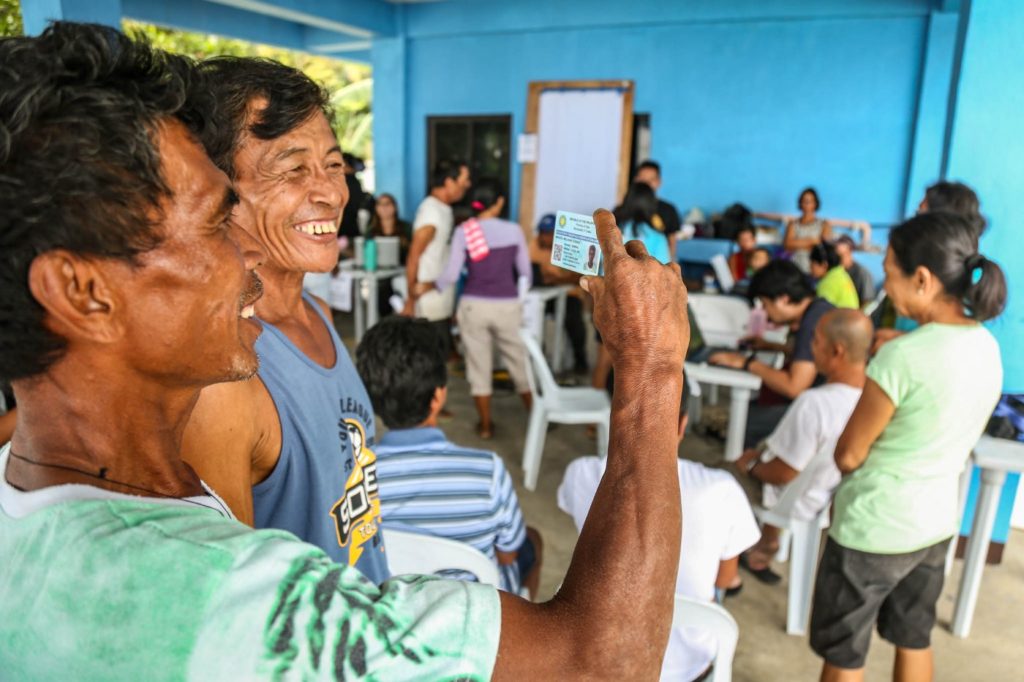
(855, 590)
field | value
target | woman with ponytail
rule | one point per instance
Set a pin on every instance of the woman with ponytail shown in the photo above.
(927, 399)
(490, 312)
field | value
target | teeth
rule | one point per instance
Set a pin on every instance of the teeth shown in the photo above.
(322, 227)
(248, 311)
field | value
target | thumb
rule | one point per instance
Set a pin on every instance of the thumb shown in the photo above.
(592, 284)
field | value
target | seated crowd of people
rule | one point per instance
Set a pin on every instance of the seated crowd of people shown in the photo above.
(196, 486)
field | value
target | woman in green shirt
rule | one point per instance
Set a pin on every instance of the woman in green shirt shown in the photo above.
(926, 401)
(834, 284)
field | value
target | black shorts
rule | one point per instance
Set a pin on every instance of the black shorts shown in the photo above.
(526, 557)
(854, 590)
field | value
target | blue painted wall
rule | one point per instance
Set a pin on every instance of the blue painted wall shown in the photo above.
(987, 151)
(744, 106)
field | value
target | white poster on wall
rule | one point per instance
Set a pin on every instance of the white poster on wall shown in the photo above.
(579, 140)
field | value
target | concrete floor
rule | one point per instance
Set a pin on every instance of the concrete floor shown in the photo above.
(765, 652)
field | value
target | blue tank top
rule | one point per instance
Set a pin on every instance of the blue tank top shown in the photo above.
(324, 486)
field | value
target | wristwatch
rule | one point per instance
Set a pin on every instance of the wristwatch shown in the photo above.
(750, 359)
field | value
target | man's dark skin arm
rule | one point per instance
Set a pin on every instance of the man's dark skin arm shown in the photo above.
(611, 617)
(774, 471)
(420, 241)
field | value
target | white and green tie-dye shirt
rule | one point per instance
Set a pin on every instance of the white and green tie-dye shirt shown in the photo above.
(101, 586)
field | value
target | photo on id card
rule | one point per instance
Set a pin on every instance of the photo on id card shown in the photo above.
(575, 246)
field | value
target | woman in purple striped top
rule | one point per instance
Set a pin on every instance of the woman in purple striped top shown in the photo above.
(490, 311)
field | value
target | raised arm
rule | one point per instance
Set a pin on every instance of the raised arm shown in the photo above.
(612, 616)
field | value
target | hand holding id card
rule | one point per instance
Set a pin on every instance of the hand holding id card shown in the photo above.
(575, 246)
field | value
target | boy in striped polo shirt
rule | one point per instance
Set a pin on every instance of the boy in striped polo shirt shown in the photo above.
(427, 483)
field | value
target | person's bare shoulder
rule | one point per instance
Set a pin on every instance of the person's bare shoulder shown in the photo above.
(229, 440)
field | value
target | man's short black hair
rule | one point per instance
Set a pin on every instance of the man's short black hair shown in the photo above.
(648, 163)
(778, 278)
(292, 98)
(79, 163)
(825, 253)
(956, 197)
(402, 363)
(446, 169)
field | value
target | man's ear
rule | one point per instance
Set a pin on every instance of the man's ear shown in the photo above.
(439, 399)
(75, 293)
(922, 278)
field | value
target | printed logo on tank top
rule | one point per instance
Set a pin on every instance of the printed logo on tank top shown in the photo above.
(357, 514)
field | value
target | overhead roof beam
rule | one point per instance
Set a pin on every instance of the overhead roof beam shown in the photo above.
(205, 17)
(358, 18)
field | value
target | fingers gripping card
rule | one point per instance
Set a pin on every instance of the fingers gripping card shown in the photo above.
(575, 246)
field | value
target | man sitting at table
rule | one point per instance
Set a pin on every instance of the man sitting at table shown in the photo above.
(788, 299)
(810, 428)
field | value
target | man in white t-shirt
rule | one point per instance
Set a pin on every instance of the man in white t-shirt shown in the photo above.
(810, 428)
(718, 525)
(428, 252)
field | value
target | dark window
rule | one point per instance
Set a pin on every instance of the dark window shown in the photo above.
(483, 142)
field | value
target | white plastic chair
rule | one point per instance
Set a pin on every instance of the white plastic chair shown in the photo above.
(717, 622)
(418, 554)
(722, 273)
(800, 541)
(723, 319)
(554, 403)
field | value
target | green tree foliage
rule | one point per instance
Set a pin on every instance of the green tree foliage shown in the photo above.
(349, 83)
(10, 18)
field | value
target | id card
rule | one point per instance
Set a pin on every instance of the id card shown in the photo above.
(575, 246)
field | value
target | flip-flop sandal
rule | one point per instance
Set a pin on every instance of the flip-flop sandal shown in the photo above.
(765, 575)
(486, 434)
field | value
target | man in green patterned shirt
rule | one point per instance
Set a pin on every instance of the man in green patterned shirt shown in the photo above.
(127, 287)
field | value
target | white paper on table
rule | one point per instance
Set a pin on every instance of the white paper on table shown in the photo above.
(341, 292)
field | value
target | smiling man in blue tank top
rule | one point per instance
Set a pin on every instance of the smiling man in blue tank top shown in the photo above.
(295, 445)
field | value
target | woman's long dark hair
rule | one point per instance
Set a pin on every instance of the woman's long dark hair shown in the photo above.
(639, 207)
(376, 229)
(484, 194)
(947, 245)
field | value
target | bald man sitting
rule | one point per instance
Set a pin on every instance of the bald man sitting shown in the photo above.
(810, 428)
